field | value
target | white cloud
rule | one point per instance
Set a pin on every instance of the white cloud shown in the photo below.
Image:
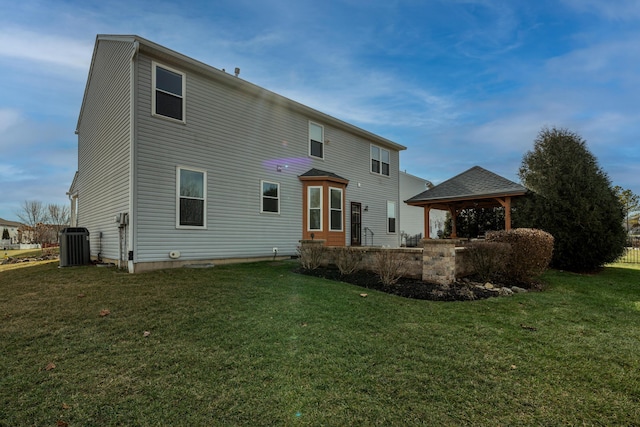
(44, 48)
(8, 119)
(619, 10)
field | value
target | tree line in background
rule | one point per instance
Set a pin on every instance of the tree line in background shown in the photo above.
(42, 223)
(571, 198)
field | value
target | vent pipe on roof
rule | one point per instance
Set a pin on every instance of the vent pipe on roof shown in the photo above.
(237, 71)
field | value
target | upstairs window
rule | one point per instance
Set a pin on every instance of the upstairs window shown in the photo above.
(380, 160)
(316, 140)
(192, 190)
(168, 92)
(270, 197)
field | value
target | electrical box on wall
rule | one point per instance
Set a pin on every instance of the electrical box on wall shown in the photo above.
(122, 218)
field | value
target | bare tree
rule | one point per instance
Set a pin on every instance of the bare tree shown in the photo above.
(58, 218)
(33, 214)
(630, 202)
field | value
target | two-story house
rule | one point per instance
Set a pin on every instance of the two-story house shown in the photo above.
(182, 163)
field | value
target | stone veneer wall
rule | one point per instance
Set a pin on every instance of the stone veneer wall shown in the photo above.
(439, 261)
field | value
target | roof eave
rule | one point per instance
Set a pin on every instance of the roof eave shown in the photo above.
(445, 200)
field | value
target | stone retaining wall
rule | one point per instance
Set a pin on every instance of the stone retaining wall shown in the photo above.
(439, 261)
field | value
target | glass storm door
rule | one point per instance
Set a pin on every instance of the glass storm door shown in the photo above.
(356, 224)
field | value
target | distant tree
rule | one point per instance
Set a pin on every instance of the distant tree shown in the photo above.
(5, 234)
(572, 199)
(33, 214)
(58, 218)
(630, 203)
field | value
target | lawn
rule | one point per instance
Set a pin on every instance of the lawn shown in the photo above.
(257, 344)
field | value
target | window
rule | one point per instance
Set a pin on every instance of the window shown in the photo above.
(168, 92)
(316, 140)
(192, 190)
(314, 202)
(391, 217)
(380, 160)
(270, 197)
(335, 209)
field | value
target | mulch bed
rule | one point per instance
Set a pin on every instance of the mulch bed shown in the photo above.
(462, 290)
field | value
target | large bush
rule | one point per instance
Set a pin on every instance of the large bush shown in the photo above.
(488, 259)
(571, 198)
(530, 254)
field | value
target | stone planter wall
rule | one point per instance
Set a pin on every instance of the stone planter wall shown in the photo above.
(439, 261)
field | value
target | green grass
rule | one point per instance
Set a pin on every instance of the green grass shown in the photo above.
(256, 344)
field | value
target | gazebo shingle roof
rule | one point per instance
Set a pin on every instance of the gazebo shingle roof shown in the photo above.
(474, 183)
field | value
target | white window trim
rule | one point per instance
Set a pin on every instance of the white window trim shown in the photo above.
(309, 140)
(380, 160)
(320, 188)
(332, 209)
(262, 196)
(204, 192)
(395, 216)
(155, 64)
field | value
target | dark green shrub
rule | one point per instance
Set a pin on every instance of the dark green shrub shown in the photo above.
(488, 259)
(530, 255)
(347, 259)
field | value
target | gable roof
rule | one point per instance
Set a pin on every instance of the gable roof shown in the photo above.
(139, 44)
(475, 183)
(5, 223)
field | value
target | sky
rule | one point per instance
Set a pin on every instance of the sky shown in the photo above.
(458, 82)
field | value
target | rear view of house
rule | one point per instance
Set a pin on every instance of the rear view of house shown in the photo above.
(180, 162)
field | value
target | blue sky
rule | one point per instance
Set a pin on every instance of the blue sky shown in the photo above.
(459, 82)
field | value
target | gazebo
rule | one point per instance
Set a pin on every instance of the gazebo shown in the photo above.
(474, 188)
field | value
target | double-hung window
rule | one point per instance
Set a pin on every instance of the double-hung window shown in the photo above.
(314, 206)
(380, 160)
(168, 92)
(391, 217)
(192, 203)
(316, 140)
(270, 201)
(335, 209)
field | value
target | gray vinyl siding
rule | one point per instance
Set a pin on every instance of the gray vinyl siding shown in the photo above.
(413, 216)
(103, 146)
(239, 138)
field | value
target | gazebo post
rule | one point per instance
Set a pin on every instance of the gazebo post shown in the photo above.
(454, 218)
(427, 222)
(507, 213)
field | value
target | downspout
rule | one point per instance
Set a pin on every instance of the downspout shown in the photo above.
(131, 224)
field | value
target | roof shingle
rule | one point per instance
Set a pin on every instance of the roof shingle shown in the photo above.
(475, 182)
